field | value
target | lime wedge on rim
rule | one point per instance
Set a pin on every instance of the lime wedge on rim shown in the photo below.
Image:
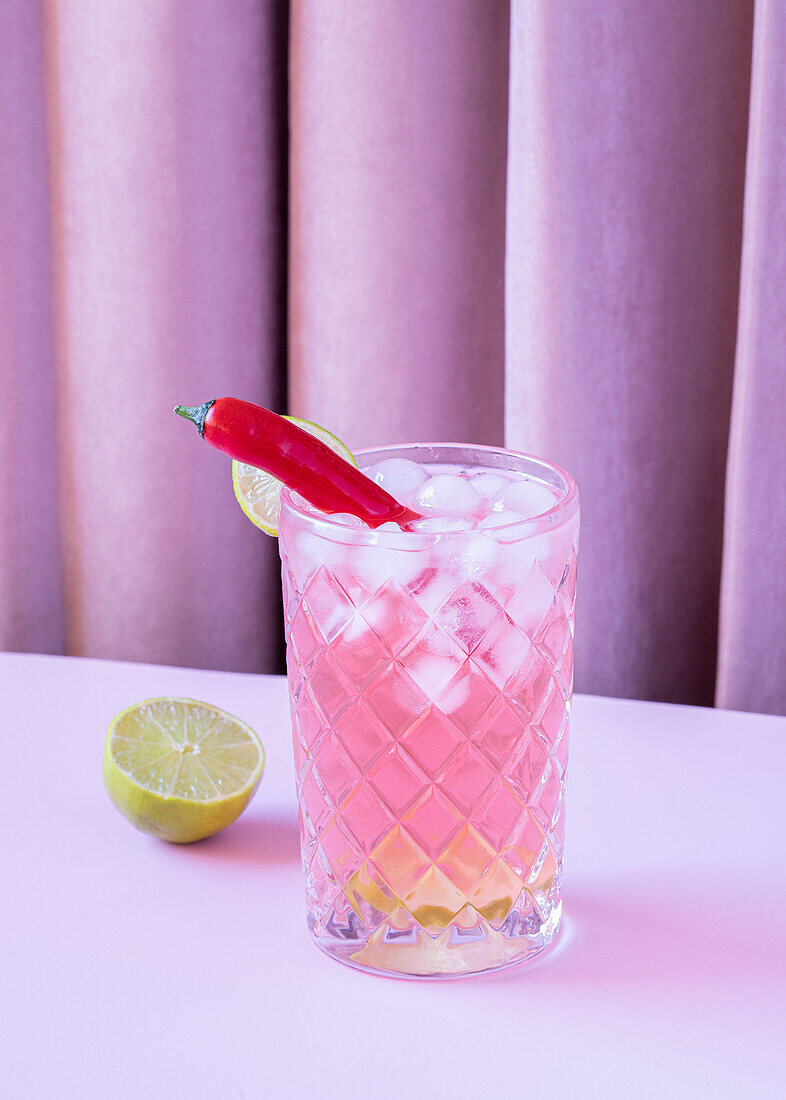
(179, 769)
(257, 492)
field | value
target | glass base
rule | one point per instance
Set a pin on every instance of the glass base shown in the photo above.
(455, 953)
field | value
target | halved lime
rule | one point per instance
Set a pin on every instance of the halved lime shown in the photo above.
(179, 769)
(257, 492)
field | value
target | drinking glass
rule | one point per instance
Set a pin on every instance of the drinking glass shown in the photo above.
(430, 678)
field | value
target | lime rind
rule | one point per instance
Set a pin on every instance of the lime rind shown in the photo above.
(258, 492)
(180, 769)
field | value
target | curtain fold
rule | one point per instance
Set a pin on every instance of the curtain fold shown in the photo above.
(31, 592)
(625, 189)
(559, 224)
(397, 243)
(752, 659)
(166, 130)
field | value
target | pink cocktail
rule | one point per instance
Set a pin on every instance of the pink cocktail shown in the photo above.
(430, 675)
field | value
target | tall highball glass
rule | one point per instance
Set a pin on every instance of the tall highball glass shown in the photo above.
(430, 677)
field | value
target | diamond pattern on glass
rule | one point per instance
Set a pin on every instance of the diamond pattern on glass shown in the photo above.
(430, 730)
(434, 901)
(433, 822)
(465, 859)
(559, 754)
(502, 650)
(529, 685)
(553, 638)
(370, 896)
(395, 701)
(314, 805)
(566, 589)
(327, 603)
(497, 892)
(331, 687)
(430, 741)
(302, 759)
(553, 717)
(563, 672)
(466, 698)
(499, 813)
(551, 795)
(539, 811)
(467, 776)
(467, 614)
(499, 732)
(524, 771)
(304, 638)
(431, 660)
(360, 653)
(396, 781)
(309, 722)
(341, 850)
(394, 615)
(336, 771)
(366, 817)
(532, 600)
(400, 862)
(359, 731)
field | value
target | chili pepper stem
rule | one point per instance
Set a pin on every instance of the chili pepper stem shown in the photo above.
(195, 413)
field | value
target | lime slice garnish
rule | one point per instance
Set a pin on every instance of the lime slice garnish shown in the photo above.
(257, 492)
(179, 769)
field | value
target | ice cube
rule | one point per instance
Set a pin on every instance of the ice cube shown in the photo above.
(501, 658)
(432, 670)
(526, 496)
(478, 554)
(534, 593)
(468, 612)
(502, 526)
(456, 694)
(307, 552)
(375, 564)
(347, 520)
(488, 485)
(439, 524)
(529, 570)
(459, 551)
(447, 495)
(497, 519)
(390, 536)
(433, 675)
(434, 585)
(357, 632)
(397, 476)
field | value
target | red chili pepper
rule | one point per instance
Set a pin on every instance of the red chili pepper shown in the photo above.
(261, 438)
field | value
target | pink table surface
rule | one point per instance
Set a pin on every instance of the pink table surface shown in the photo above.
(131, 968)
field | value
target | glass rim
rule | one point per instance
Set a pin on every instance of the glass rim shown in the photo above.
(563, 509)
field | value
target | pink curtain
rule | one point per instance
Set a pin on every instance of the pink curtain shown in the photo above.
(558, 224)
(626, 174)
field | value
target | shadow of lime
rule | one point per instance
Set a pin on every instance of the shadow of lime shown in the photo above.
(261, 839)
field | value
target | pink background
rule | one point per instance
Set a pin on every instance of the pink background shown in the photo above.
(557, 225)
